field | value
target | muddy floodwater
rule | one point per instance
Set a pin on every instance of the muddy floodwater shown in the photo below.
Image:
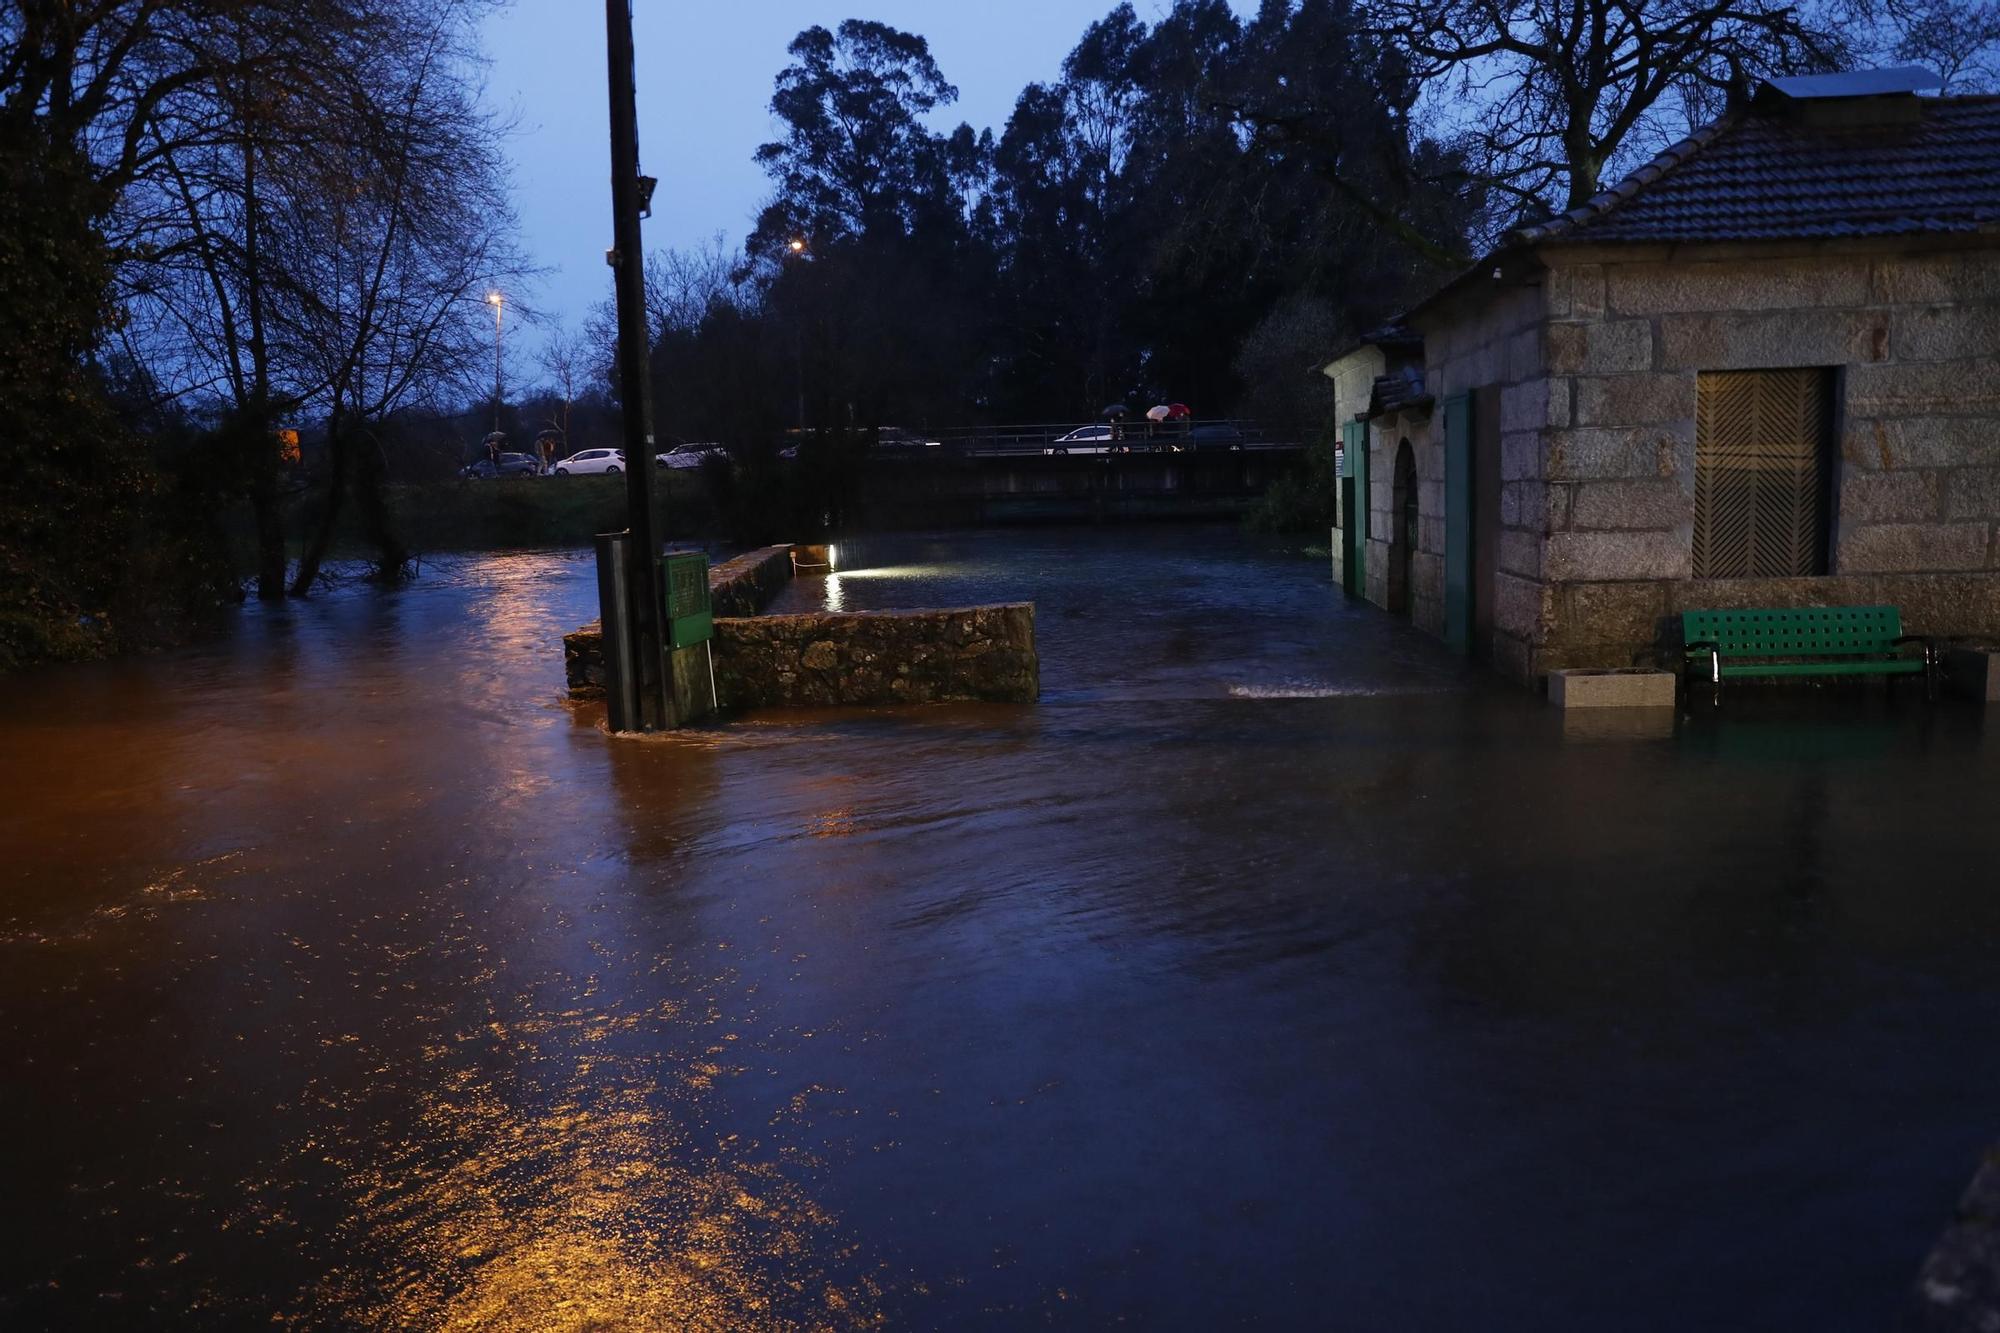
(1274, 970)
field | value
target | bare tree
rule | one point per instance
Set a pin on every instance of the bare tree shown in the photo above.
(1959, 40)
(300, 194)
(1547, 98)
(393, 264)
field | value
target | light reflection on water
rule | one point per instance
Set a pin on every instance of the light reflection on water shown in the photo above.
(1274, 965)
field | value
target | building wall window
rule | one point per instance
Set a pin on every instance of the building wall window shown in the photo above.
(1763, 473)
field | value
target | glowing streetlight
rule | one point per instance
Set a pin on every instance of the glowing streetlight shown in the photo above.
(499, 304)
(797, 248)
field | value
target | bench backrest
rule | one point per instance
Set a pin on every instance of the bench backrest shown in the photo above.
(1803, 631)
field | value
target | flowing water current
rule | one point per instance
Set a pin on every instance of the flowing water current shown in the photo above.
(1276, 969)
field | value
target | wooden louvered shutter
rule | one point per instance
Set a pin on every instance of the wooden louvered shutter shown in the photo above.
(1761, 473)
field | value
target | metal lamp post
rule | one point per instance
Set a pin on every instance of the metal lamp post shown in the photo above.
(641, 689)
(499, 304)
(796, 248)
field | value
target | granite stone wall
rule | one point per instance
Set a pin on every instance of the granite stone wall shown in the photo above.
(1914, 339)
(829, 659)
(1596, 365)
(1490, 340)
(741, 586)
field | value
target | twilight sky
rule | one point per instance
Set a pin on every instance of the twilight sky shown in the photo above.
(705, 72)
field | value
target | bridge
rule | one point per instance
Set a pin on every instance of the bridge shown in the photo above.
(1013, 474)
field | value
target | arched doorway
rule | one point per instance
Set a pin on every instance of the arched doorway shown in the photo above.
(1402, 527)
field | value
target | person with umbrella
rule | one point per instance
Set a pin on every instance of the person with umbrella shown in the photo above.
(1116, 414)
(545, 449)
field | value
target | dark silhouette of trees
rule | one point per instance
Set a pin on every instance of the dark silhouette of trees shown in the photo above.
(1135, 226)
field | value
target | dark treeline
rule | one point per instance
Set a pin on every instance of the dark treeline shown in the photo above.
(246, 246)
(1131, 233)
(1197, 209)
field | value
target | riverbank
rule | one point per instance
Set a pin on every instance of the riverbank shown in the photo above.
(516, 513)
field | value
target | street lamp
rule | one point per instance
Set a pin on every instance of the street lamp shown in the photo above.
(796, 249)
(499, 304)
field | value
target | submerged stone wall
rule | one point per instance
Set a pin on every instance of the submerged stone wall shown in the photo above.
(741, 586)
(827, 659)
(843, 659)
(736, 587)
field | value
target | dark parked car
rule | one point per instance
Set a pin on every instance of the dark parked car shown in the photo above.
(510, 465)
(1215, 435)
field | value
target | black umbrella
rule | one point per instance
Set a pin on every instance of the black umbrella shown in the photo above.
(1117, 410)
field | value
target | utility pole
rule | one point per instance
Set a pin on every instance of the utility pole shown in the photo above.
(648, 673)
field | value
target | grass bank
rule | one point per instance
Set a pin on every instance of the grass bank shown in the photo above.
(491, 515)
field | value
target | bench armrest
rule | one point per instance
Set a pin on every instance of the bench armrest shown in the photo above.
(1924, 639)
(1701, 646)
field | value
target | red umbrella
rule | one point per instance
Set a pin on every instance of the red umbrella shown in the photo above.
(1178, 411)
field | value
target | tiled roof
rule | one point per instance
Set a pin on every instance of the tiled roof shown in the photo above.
(1765, 173)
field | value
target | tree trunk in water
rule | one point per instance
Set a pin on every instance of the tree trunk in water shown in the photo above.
(336, 491)
(369, 475)
(270, 536)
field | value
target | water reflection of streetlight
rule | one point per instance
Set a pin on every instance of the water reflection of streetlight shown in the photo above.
(499, 304)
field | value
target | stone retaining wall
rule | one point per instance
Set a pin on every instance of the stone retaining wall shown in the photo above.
(833, 659)
(828, 659)
(740, 587)
(825, 659)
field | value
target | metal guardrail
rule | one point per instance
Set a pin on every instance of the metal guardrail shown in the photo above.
(1202, 433)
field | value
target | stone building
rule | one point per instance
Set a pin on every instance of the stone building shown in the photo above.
(1762, 370)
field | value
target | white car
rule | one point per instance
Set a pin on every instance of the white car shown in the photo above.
(588, 461)
(1082, 440)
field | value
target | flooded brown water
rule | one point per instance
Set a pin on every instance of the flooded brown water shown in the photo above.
(1275, 970)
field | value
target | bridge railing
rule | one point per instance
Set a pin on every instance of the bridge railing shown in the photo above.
(1038, 438)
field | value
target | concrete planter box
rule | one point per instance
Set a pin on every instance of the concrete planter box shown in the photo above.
(1611, 687)
(1974, 672)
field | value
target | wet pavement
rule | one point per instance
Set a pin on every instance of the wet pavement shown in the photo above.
(1274, 970)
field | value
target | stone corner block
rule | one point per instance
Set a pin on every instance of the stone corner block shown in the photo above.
(1611, 687)
(1974, 673)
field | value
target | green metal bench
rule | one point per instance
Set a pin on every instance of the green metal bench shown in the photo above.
(1805, 641)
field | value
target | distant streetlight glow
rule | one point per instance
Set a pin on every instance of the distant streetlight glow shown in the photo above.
(797, 246)
(499, 304)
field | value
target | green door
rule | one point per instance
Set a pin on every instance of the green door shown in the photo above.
(1354, 506)
(1458, 522)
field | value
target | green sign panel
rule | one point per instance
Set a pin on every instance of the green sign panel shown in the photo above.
(689, 620)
